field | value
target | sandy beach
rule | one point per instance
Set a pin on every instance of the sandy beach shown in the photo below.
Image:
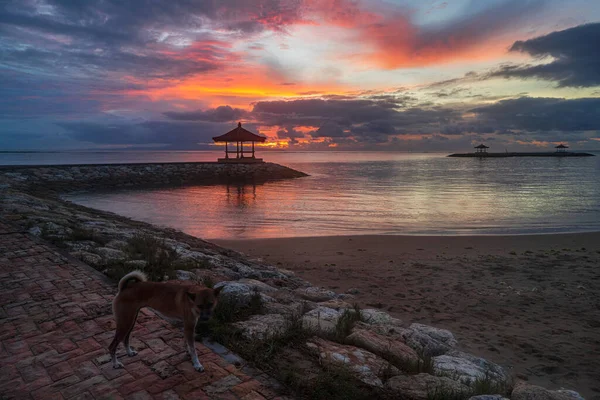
(530, 303)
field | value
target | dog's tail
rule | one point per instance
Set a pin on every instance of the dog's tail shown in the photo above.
(133, 276)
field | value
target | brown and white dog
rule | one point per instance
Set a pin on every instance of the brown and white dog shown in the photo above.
(172, 301)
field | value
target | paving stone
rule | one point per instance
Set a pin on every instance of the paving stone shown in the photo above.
(56, 323)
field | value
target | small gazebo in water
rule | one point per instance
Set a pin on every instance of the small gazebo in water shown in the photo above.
(239, 135)
(482, 148)
(561, 148)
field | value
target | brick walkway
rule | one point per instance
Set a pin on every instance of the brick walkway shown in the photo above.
(55, 326)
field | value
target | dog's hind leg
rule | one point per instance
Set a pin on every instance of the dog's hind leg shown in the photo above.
(130, 351)
(188, 332)
(125, 321)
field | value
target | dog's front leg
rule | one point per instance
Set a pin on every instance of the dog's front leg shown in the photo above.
(188, 332)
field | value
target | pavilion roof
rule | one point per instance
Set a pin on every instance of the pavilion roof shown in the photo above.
(561, 146)
(239, 134)
(481, 146)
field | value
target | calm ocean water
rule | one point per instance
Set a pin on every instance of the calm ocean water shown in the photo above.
(363, 193)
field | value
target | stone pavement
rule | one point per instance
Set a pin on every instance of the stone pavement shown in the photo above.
(56, 323)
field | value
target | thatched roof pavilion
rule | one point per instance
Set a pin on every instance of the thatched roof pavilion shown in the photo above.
(561, 148)
(239, 135)
(482, 148)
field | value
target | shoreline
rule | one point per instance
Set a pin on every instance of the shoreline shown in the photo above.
(527, 302)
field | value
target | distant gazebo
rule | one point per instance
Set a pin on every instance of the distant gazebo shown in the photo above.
(239, 135)
(561, 148)
(482, 148)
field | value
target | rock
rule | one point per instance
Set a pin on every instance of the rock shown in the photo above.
(525, 391)
(88, 258)
(467, 368)
(136, 264)
(240, 293)
(382, 345)
(315, 294)
(262, 326)
(35, 231)
(322, 319)
(424, 386)
(365, 365)
(258, 285)
(185, 275)
(353, 291)
(110, 255)
(336, 304)
(488, 397)
(378, 317)
(428, 340)
(83, 245)
(117, 244)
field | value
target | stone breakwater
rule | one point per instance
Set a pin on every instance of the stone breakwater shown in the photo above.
(63, 178)
(393, 358)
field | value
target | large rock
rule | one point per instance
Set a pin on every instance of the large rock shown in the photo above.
(365, 365)
(336, 304)
(110, 255)
(525, 391)
(382, 345)
(428, 340)
(424, 387)
(262, 326)
(377, 317)
(88, 258)
(467, 368)
(322, 319)
(240, 293)
(183, 275)
(315, 294)
(258, 285)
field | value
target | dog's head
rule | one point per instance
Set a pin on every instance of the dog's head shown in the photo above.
(204, 302)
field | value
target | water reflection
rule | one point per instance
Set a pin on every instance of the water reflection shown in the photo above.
(399, 194)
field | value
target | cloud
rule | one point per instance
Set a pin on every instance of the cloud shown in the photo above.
(575, 57)
(540, 114)
(219, 114)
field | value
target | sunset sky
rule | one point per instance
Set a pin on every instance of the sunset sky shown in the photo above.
(308, 74)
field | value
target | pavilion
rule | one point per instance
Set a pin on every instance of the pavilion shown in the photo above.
(482, 148)
(561, 148)
(239, 135)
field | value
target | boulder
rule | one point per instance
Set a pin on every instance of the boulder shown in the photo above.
(136, 264)
(315, 294)
(117, 244)
(88, 258)
(377, 317)
(365, 365)
(258, 285)
(322, 319)
(382, 345)
(239, 292)
(525, 391)
(183, 275)
(424, 387)
(336, 304)
(262, 326)
(110, 255)
(428, 340)
(467, 368)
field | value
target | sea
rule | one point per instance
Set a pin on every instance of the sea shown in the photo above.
(350, 193)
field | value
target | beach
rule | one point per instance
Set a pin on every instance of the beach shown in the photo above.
(528, 302)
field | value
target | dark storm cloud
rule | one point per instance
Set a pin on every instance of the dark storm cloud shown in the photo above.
(219, 114)
(534, 114)
(575, 53)
(170, 134)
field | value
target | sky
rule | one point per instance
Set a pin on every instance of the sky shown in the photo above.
(412, 75)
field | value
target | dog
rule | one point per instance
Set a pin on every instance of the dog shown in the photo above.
(185, 303)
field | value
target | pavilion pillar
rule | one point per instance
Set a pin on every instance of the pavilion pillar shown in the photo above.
(237, 149)
(226, 151)
(252, 149)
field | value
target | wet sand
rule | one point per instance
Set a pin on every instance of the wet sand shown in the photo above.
(530, 303)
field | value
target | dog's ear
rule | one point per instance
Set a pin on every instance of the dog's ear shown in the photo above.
(217, 290)
(192, 296)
